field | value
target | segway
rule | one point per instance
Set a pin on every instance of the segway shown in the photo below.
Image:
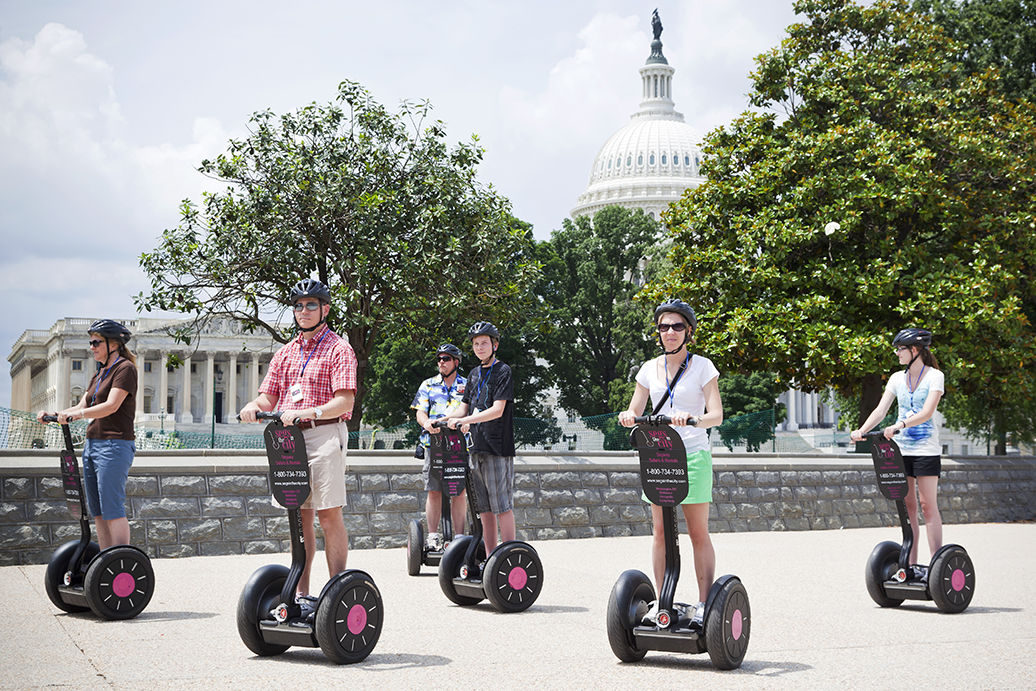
(950, 581)
(116, 583)
(510, 578)
(726, 625)
(348, 617)
(448, 461)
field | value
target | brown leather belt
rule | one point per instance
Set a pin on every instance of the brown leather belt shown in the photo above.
(317, 423)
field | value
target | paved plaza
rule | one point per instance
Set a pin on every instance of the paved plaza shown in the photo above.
(813, 625)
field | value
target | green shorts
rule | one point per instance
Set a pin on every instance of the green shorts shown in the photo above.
(699, 478)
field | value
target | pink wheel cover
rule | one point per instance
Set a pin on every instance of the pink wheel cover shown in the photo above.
(736, 625)
(123, 584)
(357, 619)
(517, 578)
(957, 580)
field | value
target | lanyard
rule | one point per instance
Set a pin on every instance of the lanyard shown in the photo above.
(315, 349)
(913, 388)
(671, 385)
(98, 387)
(482, 381)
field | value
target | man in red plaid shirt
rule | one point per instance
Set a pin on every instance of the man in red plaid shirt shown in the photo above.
(313, 377)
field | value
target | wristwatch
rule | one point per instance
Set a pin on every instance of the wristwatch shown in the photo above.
(317, 413)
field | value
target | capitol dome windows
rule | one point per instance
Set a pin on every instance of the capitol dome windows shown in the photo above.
(629, 160)
(640, 159)
(686, 160)
(663, 159)
(651, 160)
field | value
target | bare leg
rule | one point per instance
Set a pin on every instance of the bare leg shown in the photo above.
(488, 531)
(506, 522)
(928, 488)
(911, 507)
(459, 511)
(433, 510)
(336, 539)
(697, 516)
(113, 532)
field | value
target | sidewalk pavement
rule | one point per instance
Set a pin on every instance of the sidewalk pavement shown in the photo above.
(813, 625)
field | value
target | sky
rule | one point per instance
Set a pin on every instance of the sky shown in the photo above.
(107, 107)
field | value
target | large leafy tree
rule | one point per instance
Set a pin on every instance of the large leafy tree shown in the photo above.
(929, 173)
(592, 268)
(373, 203)
(998, 34)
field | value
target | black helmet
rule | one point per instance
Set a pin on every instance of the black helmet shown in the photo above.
(451, 350)
(913, 337)
(483, 329)
(681, 308)
(310, 288)
(112, 329)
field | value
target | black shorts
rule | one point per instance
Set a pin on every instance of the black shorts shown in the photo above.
(923, 466)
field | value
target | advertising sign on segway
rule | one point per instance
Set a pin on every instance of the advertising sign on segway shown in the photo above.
(448, 460)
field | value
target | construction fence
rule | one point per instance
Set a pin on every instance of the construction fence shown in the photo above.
(746, 433)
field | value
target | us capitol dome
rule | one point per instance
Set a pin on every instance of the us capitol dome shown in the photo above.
(651, 161)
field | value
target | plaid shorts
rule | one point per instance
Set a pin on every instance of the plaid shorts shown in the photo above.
(493, 478)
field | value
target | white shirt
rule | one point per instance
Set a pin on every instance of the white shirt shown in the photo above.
(923, 439)
(689, 394)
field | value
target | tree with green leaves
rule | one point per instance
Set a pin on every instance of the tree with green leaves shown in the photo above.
(592, 268)
(999, 34)
(895, 189)
(374, 204)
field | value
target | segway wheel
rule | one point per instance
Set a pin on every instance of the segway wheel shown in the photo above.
(728, 625)
(349, 618)
(449, 568)
(261, 594)
(883, 562)
(119, 583)
(513, 577)
(631, 596)
(414, 548)
(951, 580)
(58, 566)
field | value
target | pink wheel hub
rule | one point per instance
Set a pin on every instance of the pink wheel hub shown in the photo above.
(737, 625)
(357, 619)
(957, 580)
(123, 584)
(517, 578)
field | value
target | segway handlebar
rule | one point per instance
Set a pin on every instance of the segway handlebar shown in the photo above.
(877, 433)
(271, 415)
(441, 422)
(657, 420)
(50, 418)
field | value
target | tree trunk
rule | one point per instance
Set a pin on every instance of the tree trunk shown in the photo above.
(871, 390)
(1001, 434)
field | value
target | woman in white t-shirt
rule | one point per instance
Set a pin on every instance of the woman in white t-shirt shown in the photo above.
(917, 389)
(695, 392)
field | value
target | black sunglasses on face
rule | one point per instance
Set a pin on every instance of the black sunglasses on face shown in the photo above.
(94, 344)
(678, 327)
(308, 306)
(444, 358)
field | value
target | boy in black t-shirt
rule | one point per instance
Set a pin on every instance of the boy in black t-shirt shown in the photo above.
(489, 397)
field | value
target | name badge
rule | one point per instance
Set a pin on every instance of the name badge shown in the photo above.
(296, 393)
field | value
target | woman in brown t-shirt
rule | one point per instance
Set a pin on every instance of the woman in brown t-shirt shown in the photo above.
(110, 405)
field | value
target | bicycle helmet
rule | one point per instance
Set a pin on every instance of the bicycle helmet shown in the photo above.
(913, 337)
(112, 329)
(483, 329)
(309, 288)
(681, 308)
(451, 350)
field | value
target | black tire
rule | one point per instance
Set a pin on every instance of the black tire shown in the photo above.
(883, 562)
(56, 568)
(349, 618)
(119, 583)
(728, 625)
(627, 605)
(449, 568)
(415, 548)
(261, 594)
(513, 577)
(951, 580)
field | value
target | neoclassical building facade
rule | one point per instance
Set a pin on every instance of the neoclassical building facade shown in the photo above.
(221, 369)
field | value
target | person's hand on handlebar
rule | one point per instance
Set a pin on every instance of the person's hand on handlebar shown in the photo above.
(247, 413)
(626, 418)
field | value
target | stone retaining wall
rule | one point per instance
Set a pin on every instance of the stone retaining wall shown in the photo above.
(180, 511)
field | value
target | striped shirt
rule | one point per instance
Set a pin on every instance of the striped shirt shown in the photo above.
(321, 365)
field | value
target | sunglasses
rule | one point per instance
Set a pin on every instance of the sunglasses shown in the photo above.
(308, 306)
(444, 358)
(902, 348)
(94, 344)
(678, 327)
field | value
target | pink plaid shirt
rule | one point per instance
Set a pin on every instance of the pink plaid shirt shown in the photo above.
(331, 366)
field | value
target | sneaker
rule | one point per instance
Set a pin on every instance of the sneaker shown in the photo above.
(652, 613)
(699, 614)
(308, 605)
(920, 572)
(433, 542)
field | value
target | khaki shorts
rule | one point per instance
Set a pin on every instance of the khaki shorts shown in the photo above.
(326, 447)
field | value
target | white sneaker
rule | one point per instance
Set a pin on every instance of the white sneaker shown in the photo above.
(699, 614)
(652, 613)
(433, 542)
